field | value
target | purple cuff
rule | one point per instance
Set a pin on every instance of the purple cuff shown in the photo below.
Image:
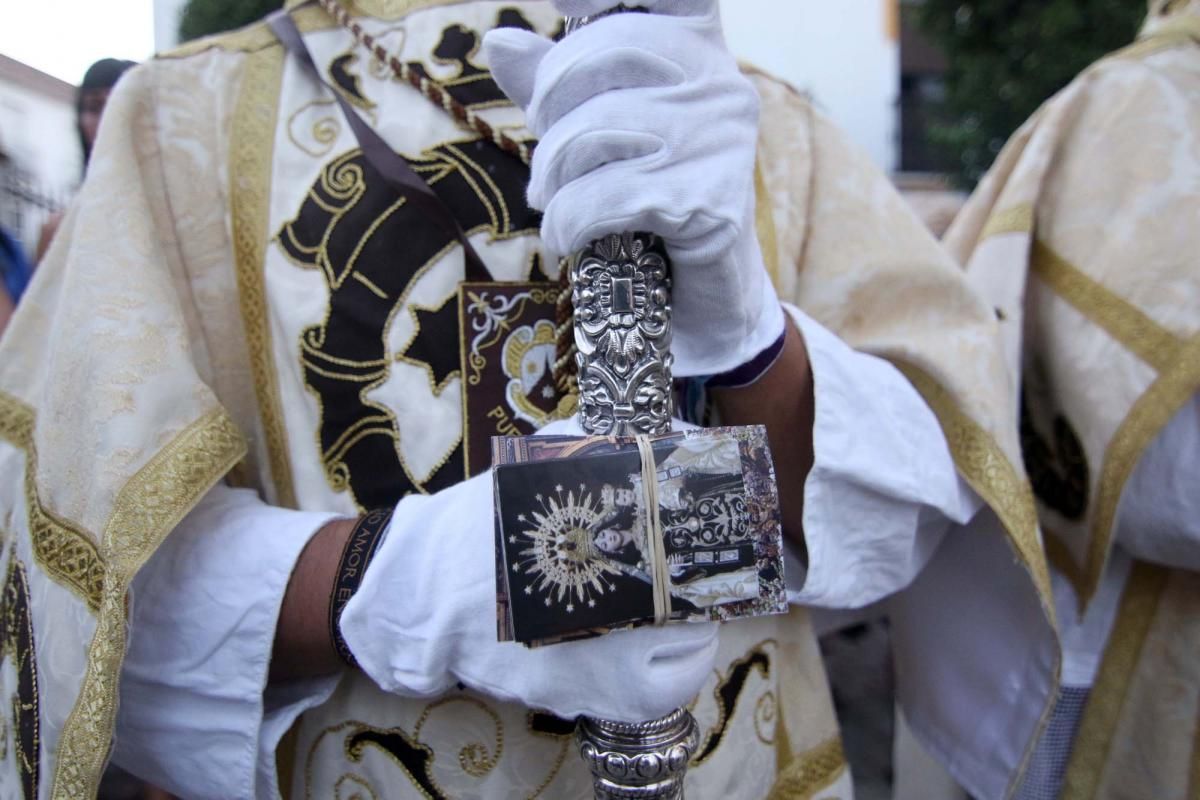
(751, 371)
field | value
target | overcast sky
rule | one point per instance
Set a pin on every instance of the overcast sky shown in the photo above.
(64, 37)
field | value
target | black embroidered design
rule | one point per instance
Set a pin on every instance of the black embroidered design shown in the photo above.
(413, 757)
(16, 643)
(435, 329)
(472, 86)
(349, 83)
(728, 692)
(549, 725)
(370, 245)
(1058, 470)
(513, 18)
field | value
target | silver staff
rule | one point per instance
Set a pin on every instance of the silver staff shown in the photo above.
(622, 296)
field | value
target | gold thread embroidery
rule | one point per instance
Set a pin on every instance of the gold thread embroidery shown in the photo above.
(355, 779)
(312, 752)
(559, 760)
(162, 492)
(748, 662)
(810, 772)
(324, 130)
(60, 547)
(1122, 320)
(147, 507)
(251, 154)
(766, 711)
(401, 356)
(1018, 219)
(1139, 603)
(474, 758)
(989, 472)
(18, 631)
(371, 287)
(1152, 411)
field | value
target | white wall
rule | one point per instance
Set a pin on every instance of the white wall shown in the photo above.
(38, 133)
(845, 54)
(166, 24)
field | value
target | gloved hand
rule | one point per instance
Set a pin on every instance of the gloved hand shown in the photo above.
(424, 618)
(646, 124)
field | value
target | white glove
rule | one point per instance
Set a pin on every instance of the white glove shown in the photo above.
(424, 618)
(646, 124)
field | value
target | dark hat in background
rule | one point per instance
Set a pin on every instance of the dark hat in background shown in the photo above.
(104, 73)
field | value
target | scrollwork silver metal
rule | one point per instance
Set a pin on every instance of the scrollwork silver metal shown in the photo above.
(621, 291)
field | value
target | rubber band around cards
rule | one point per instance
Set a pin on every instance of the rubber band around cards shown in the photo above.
(656, 548)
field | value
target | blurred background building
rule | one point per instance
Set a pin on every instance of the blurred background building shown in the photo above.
(40, 161)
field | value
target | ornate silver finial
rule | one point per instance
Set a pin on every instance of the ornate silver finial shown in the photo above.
(641, 761)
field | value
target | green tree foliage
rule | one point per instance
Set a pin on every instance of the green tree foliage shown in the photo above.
(1006, 57)
(206, 17)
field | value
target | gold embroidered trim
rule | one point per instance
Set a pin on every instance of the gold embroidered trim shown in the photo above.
(253, 37)
(810, 772)
(162, 492)
(251, 155)
(1018, 219)
(151, 503)
(1139, 603)
(1148, 340)
(984, 466)
(1152, 411)
(61, 548)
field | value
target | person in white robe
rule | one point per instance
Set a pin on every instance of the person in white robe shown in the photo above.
(1083, 236)
(242, 341)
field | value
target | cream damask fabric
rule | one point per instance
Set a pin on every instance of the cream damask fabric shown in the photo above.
(1083, 236)
(179, 333)
(850, 252)
(109, 428)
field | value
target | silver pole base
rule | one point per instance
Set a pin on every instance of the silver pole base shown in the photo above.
(639, 761)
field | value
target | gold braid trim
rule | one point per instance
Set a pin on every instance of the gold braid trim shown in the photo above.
(1139, 604)
(146, 509)
(989, 472)
(810, 772)
(61, 548)
(1149, 415)
(251, 154)
(1122, 320)
(1018, 219)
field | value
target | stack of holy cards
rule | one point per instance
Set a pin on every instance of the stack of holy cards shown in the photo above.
(600, 533)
